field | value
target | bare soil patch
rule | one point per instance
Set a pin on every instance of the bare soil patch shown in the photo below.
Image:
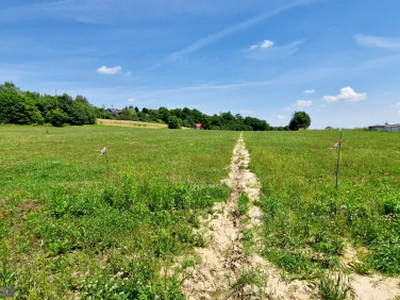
(369, 287)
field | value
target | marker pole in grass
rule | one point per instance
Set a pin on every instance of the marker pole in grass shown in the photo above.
(103, 152)
(339, 145)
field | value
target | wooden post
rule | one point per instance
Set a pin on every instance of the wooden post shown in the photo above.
(338, 159)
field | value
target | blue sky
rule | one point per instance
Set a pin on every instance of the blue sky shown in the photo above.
(338, 60)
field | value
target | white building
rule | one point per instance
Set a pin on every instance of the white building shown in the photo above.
(386, 127)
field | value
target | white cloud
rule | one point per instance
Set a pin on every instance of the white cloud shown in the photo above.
(267, 44)
(308, 91)
(346, 94)
(109, 71)
(131, 100)
(377, 42)
(263, 45)
(280, 117)
(303, 103)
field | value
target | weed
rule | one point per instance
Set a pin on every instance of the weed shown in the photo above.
(247, 279)
(243, 204)
(333, 287)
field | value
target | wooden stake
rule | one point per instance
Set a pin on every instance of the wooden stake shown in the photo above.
(338, 159)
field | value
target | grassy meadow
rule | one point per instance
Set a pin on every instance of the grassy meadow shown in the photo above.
(76, 224)
(309, 225)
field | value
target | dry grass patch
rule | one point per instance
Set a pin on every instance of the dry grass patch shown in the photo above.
(135, 124)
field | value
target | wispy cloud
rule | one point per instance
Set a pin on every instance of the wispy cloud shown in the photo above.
(378, 42)
(212, 38)
(109, 71)
(281, 117)
(309, 92)
(303, 103)
(267, 50)
(107, 11)
(346, 94)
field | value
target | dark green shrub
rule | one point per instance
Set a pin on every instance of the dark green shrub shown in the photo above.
(174, 122)
(56, 117)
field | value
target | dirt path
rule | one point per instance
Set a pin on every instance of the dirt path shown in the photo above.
(230, 270)
(374, 286)
(227, 270)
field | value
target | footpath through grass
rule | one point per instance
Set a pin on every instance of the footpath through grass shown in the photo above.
(75, 224)
(309, 225)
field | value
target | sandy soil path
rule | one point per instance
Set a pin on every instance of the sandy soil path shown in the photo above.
(224, 263)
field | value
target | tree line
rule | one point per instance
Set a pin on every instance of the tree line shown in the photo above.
(178, 117)
(25, 107)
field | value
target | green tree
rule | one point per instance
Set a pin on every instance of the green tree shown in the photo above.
(256, 124)
(10, 88)
(56, 117)
(82, 113)
(174, 122)
(299, 120)
(127, 114)
(15, 109)
(164, 113)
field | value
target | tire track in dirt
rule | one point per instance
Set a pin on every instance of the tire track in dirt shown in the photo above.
(224, 262)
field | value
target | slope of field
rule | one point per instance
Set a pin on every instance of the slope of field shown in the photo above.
(134, 124)
(312, 231)
(76, 224)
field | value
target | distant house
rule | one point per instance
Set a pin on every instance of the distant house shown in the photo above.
(386, 127)
(199, 126)
(114, 110)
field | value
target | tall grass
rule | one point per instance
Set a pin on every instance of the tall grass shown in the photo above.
(308, 223)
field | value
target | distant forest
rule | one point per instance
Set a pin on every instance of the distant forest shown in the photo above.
(25, 107)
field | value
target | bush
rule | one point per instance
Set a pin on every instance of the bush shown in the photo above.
(56, 117)
(174, 122)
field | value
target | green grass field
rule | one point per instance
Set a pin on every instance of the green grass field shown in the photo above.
(76, 224)
(308, 224)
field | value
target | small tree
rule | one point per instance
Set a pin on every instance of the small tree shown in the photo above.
(299, 120)
(56, 117)
(174, 122)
